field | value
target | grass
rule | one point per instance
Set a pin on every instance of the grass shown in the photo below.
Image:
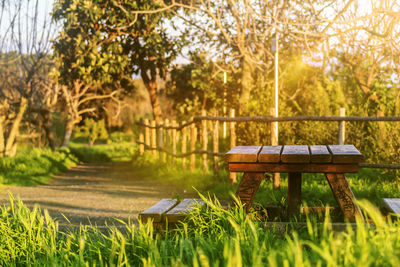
(35, 166)
(123, 151)
(210, 236)
(151, 169)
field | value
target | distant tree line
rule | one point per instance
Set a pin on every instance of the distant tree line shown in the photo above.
(331, 54)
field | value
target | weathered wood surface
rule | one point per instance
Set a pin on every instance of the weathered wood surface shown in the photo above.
(295, 154)
(393, 204)
(320, 154)
(248, 188)
(293, 167)
(243, 154)
(294, 192)
(270, 154)
(184, 207)
(345, 154)
(343, 195)
(155, 212)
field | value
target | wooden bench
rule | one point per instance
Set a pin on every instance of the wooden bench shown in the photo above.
(393, 204)
(332, 160)
(169, 211)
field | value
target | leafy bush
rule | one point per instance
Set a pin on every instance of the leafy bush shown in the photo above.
(91, 131)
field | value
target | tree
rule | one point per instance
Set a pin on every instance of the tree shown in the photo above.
(24, 66)
(118, 39)
(89, 68)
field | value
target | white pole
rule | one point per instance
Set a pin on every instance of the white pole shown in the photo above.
(276, 83)
(224, 108)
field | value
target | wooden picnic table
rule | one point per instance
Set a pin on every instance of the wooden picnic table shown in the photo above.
(332, 160)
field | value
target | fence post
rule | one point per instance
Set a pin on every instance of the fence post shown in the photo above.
(160, 144)
(232, 175)
(146, 134)
(274, 142)
(174, 137)
(183, 147)
(216, 144)
(154, 139)
(204, 138)
(167, 145)
(193, 133)
(224, 124)
(141, 139)
(342, 127)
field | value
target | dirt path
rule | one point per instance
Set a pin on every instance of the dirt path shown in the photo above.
(94, 193)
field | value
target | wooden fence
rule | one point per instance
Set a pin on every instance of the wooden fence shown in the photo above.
(162, 138)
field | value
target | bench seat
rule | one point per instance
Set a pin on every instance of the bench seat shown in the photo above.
(169, 210)
(393, 204)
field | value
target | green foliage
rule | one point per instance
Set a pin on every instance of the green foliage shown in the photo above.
(35, 166)
(119, 137)
(200, 85)
(91, 130)
(80, 49)
(211, 236)
(103, 153)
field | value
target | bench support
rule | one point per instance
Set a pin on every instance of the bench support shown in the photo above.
(294, 192)
(343, 195)
(248, 187)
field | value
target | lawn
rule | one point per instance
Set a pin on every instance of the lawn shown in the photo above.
(210, 236)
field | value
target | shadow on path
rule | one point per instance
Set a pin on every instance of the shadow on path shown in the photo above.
(94, 193)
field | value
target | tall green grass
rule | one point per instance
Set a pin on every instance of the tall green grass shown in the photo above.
(210, 236)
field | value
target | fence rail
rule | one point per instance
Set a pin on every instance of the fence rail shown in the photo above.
(162, 138)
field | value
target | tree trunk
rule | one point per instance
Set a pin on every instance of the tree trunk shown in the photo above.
(2, 120)
(69, 126)
(151, 86)
(247, 85)
(48, 128)
(9, 151)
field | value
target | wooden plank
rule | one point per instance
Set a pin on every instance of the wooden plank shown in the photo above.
(271, 154)
(293, 167)
(248, 187)
(243, 154)
(184, 207)
(345, 154)
(155, 212)
(393, 204)
(320, 154)
(295, 154)
(294, 192)
(344, 196)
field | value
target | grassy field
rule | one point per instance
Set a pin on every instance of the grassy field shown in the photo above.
(33, 166)
(210, 236)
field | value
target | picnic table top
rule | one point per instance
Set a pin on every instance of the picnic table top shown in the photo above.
(335, 154)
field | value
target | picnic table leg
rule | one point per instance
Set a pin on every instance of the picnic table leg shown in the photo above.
(294, 192)
(248, 187)
(343, 195)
